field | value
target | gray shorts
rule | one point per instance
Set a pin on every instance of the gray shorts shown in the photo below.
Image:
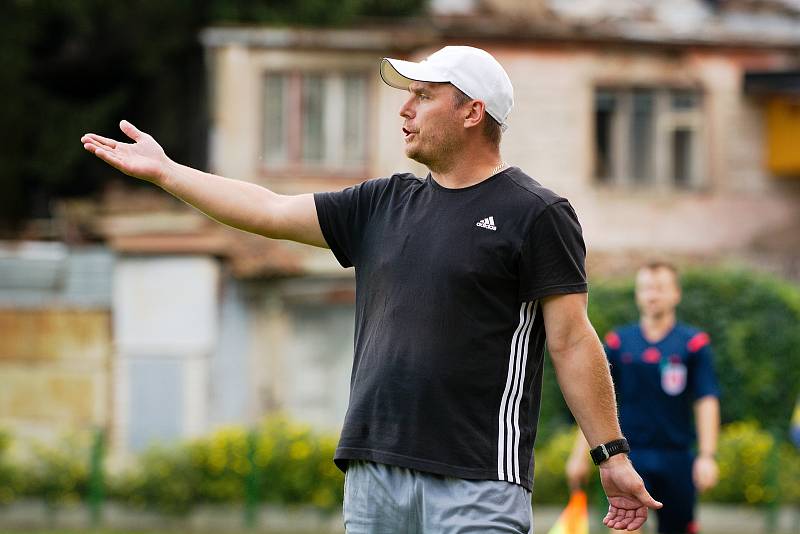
(384, 499)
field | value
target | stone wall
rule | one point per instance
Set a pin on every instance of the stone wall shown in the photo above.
(54, 370)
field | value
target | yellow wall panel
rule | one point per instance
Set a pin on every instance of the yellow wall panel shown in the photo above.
(55, 334)
(783, 135)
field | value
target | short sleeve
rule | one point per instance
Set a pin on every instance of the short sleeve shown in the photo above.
(553, 255)
(612, 344)
(343, 217)
(703, 378)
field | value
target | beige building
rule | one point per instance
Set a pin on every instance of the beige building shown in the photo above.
(642, 118)
(673, 127)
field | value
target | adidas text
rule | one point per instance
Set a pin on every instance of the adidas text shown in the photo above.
(487, 223)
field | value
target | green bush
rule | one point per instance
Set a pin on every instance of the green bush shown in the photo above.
(163, 479)
(222, 465)
(297, 465)
(753, 323)
(8, 475)
(549, 480)
(293, 465)
(754, 468)
(56, 472)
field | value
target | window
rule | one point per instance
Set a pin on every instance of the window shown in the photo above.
(648, 136)
(315, 120)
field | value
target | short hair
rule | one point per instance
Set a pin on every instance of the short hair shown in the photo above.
(655, 265)
(491, 128)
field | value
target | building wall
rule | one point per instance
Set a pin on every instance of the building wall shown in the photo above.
(54, 369)
(301, 349)
(166, 324)
(55, 339)
(551, 138)
(161, 348)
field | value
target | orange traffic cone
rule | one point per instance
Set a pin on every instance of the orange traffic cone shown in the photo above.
(575, 517)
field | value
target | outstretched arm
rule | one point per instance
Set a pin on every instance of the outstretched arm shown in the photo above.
(236, 203)
(582, 372)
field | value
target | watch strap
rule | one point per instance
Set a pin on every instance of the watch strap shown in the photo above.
(604, 451)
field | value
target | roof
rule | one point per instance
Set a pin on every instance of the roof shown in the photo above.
(717, 23)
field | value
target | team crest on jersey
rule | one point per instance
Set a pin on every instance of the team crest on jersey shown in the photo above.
(673, 377)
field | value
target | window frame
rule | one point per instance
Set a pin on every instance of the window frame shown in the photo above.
(666, 120)
(294, 165)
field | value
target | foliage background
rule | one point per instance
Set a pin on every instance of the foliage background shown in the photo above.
(78, 66)
(288, 464)
(752, 320)
(69, 67)
(753, 323)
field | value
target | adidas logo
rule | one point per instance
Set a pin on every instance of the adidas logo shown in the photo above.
(487, 223)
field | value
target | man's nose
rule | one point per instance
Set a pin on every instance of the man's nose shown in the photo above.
(406, 110)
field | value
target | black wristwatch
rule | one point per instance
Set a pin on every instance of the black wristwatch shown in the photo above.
(603, 452)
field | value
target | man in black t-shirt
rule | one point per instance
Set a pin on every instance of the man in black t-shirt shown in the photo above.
(461, 278)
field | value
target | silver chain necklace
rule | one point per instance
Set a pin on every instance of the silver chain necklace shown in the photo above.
(499, 167)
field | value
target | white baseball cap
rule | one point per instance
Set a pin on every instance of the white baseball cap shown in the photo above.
(474, 71)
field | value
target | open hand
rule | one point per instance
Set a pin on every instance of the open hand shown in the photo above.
(705, 473)
(628, 500)
(144, 158)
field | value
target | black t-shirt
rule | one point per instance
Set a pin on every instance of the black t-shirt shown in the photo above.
(449, 336)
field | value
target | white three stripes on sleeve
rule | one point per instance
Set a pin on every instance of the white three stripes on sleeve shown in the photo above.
(508, 435)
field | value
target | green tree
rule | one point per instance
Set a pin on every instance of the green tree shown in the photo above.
(73, 67)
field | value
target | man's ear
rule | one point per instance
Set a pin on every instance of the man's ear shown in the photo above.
(475, 113)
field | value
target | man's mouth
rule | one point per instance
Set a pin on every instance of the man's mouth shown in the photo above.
(408, 133)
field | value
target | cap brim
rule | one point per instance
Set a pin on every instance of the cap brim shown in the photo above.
(399, 74)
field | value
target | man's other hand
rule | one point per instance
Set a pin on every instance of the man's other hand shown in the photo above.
(705, 473)
(628, 500)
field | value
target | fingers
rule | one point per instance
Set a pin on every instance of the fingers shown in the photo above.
(704, 482)
(96, 147)
(99, 140)
(637, 520)
(629, 512)
(616, 518)
(704, 474)
(130, 130)
(646, 499)
(625, 519)
(636, 524)
(109, 158)
(105, 155)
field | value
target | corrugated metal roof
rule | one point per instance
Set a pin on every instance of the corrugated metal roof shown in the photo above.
(36, 274)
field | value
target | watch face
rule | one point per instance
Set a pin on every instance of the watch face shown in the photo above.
(599, 454)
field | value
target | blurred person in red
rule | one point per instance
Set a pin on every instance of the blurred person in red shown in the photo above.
(663, 373)
(459, 276)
